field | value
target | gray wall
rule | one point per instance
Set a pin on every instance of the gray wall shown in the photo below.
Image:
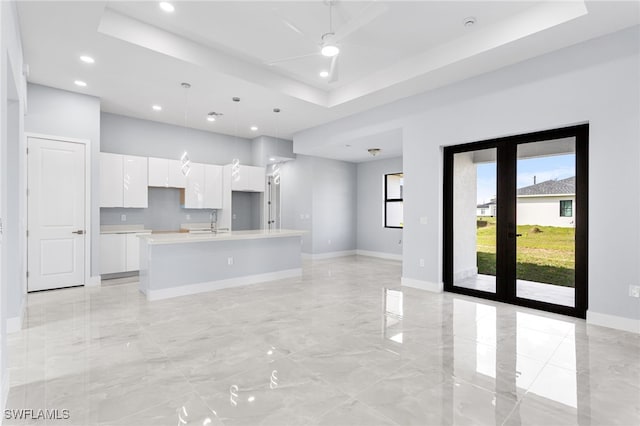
(264, 147)
(245, 210)
(163, 214)
(319, 196)
(57, 112)
(372, 235)
(334, 205)
(578, 84)
(127, 135)
(133, 136)
(296, 181)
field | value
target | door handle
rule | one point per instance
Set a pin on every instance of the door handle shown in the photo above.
(512, 235)
(79, 232)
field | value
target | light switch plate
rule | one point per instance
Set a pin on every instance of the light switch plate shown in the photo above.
(634, 291)
(123, 218)
(423, 220)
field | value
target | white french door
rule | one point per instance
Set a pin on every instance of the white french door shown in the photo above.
(56, 214)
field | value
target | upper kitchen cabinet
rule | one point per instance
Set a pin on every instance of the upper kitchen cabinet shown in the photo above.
(123, 181)
(166, 173)
(111, 183)
(212, 186)
(193, 196)
(250, 179)
(204, 187)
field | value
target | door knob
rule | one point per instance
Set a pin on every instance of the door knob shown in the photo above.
(79, 232)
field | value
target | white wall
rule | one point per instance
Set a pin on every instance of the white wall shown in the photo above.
(12, 198)
(372, 235)
(544, 211)
(596, 82)
(56, 112)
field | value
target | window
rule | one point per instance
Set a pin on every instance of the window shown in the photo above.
(566, 208)
(393, 208)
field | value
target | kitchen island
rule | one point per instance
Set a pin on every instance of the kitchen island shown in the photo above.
(180, 264)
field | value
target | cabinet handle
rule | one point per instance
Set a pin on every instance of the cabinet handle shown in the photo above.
(79, 232)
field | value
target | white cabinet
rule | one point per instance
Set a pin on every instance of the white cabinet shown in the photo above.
(212, 186)
(158, 172)
(123, 181)
(166, 173)
(256, 179)
(111, 172)
(204, 187)
(119, 253)
(194, 192)
(135, 182)
(177, 179)
(112, 253)
(250, 179)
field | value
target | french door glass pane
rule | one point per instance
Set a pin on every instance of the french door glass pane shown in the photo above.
(474, 219)
(546, 208)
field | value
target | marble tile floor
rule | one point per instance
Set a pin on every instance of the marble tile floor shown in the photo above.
(344, 344)
(532, 290)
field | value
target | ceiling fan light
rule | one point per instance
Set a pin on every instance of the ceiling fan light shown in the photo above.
(330, 50)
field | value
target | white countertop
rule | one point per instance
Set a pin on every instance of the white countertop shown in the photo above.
(182, 238)
(123, 229)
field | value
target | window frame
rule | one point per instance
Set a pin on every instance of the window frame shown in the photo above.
(386, 200)
(562, 209)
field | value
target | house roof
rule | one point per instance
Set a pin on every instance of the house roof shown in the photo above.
(550, 187)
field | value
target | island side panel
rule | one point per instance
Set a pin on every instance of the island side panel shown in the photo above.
(190, 268)
(145, 255)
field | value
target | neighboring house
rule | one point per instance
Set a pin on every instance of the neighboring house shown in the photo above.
(487, 209)
(549, 203)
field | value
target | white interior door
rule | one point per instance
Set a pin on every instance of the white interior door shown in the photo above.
(56, 214)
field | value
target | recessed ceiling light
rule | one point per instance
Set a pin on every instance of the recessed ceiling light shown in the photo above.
(157, 108)
(272, 159)
(254, 128)
(324, 74)
(211, 118)
(80, 83)
(87, 59)
(166, 6)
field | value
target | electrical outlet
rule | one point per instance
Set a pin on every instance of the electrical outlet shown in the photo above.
(329, 242)
(188, 217)
(422, 263)
(634, 291)
(423, 220)
(229, 261)
(233, 216)
(123, 218)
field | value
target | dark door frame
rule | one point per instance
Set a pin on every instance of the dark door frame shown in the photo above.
(506, 213)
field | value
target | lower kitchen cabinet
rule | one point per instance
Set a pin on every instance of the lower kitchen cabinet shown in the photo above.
(119, 253)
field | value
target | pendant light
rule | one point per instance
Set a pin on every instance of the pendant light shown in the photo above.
(275, 167)
(235, 163)
(185, 160)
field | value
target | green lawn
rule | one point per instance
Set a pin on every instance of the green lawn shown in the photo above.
(545, 254)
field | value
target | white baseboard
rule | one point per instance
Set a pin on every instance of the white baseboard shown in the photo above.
(422, 285)
(613, 321)
(14, 324)
(204, 287)
(379, 254)
(93, 281)
(328, 255)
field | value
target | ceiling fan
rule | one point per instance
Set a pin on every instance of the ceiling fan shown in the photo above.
(329, 41)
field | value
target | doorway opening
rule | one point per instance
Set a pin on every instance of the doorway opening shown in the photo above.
(516, 220)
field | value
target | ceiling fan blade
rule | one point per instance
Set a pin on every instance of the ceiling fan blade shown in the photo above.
(291, 58)
(367, 15)
(292, 26)
(333, 71)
